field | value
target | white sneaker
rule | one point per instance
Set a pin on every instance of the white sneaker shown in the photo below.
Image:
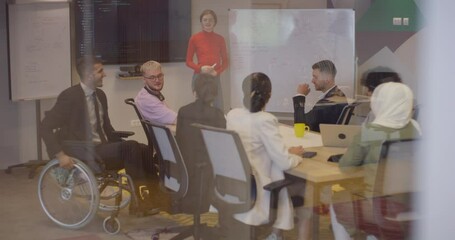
(274, 236)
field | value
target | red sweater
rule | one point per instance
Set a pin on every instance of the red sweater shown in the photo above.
(210, 48)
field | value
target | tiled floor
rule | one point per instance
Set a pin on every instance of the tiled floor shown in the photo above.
(21, 216)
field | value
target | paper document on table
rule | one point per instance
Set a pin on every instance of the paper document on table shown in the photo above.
(310, 139)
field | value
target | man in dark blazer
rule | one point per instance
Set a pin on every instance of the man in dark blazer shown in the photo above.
(81, 115)
(330, 104)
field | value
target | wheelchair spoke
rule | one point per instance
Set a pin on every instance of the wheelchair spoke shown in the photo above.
(69, 198)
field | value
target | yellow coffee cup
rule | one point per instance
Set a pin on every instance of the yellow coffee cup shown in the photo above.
(300, 128)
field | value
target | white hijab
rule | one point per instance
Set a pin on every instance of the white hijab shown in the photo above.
(392, 104)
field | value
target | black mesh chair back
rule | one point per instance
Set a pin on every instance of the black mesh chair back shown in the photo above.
(234, 188)
(233, 183)
(346, 114)
(416, 111)
(172, 169)
(232, 172)
(396, 189)
(397, 167)
(130, 101)
(174, 178)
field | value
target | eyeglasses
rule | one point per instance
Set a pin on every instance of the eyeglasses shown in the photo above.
(210, 20)
(154, 77)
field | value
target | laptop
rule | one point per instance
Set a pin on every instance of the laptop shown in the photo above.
(334, 135)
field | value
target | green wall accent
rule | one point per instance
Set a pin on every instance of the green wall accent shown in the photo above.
(379, 16)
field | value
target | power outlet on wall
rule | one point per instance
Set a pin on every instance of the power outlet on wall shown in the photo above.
(406, 21)
(396, 21)
(135, 123)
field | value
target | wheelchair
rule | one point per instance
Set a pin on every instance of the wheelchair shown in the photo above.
(71, 198)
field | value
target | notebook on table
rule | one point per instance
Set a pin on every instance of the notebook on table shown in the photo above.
(334, 135)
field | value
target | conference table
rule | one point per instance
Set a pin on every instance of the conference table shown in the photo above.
(317, 172)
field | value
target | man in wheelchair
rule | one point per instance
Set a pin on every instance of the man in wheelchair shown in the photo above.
(80, 118)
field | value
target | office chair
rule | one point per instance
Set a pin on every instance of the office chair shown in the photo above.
(416, 111)
(174, 179)
(130, 101)
(346, 114)
(394, 191)
(234, 183)
(145, 127)
(396, 181)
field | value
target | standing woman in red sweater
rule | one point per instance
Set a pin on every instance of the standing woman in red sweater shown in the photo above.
(211, 53)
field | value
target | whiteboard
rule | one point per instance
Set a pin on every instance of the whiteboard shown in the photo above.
(39, 50)
(284, 44)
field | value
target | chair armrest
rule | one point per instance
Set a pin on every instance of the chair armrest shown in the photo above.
(123, 134)
(275, 187)
(405, 217)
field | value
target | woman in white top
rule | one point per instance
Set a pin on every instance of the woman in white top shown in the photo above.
(268, 155)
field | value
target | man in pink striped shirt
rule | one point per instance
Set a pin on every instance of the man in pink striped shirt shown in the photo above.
(149, 100)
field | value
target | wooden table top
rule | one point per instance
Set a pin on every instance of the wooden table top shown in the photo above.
(316, 169)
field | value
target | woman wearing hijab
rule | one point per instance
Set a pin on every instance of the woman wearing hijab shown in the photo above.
(267, 153)
(391, 104)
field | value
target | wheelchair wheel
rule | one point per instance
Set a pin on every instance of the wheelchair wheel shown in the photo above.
(70, 198)
(110, 192)
(111, 225)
